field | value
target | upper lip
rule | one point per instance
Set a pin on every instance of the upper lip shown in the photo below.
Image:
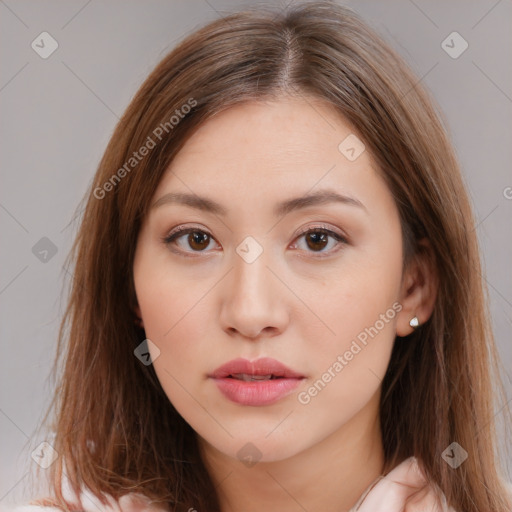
(262, 366)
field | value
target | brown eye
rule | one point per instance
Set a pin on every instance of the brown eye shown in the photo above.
(198, 240)
(317, 240)
(189, 240)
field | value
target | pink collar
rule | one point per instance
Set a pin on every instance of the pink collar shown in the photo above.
(404, 489)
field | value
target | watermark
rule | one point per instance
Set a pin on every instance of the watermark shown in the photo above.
(44, 45)
(249, 455)
(249, 249)
(44, 455)
(147, 352)
(360, 342)
(44, 250)
(507, 192)
(454, 45)
(351, 147)
(151, 142)
(454, 455)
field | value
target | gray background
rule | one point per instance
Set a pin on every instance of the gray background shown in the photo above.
(57, 115)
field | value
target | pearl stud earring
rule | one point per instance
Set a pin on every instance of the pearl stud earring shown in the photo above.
(414, 322)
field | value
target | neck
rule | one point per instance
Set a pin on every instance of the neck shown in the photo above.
(334, 471)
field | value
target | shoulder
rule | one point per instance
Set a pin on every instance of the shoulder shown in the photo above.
(86, 501)
(403, 489)
(508, 488)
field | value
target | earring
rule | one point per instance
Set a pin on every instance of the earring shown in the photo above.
(414, 322)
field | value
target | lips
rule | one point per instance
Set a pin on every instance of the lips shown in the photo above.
(263, 367)
(256, 383)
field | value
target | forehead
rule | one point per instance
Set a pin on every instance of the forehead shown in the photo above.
(272, 149)
(292, 138)
(278, 134)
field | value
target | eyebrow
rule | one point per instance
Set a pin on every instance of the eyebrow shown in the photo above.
(208, 205)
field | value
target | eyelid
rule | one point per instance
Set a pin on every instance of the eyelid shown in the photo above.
(185, 228)
(301, 231)
(323, 226)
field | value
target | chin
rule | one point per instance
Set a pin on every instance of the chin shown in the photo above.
(252, 449)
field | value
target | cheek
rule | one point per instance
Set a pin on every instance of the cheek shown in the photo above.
(166, 294)
(358, 300)
(348, 369)
(360, 307)
(175, 311)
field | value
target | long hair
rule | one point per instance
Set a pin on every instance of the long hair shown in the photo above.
(115, 429)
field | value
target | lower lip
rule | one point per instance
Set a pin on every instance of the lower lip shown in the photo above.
(256, 393)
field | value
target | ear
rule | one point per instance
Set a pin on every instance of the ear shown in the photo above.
(138, 316)
(419, 289)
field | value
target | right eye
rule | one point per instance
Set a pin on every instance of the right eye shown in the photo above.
(195, 238)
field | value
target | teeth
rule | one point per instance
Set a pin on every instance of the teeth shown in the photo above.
(246, 377)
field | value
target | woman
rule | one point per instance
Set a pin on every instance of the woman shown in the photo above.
(277, 301)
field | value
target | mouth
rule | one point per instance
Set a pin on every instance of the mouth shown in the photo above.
(264, 368)
(248, 378)
(258, 383)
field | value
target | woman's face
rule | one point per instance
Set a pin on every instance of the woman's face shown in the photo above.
(267, 273)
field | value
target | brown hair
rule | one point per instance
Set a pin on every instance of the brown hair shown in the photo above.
(116, 430)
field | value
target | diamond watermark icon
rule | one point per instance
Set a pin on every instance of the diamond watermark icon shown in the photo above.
(147, 352)
(249, 250)
(351, 147)
(44, 45)
(454, 455)
(249, 455)
(44, 250)
(454, 45)
(44, 455)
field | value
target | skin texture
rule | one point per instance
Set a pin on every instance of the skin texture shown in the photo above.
(290, 304)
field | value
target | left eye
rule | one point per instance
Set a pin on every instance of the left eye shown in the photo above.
(316, 239)
(197, 239)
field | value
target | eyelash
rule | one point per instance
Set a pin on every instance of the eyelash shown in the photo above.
(180, 232)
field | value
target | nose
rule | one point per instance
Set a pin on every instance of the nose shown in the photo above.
(254, 302)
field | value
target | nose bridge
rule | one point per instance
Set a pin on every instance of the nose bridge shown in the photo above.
(251, 277)
(251, 299)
